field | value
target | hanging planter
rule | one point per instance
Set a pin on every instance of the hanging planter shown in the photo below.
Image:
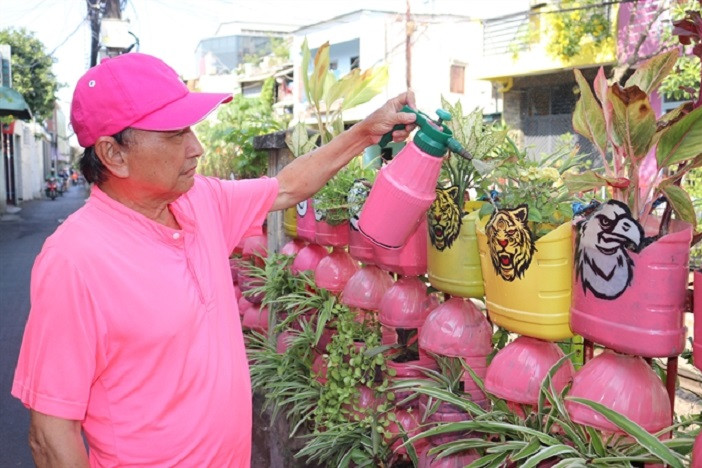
(408, 260)
(457, 328)
(243, 305)
(293, 247)
(365, 289)
(697, 341)
(334, 270)
(625, 384)
(518, 370)
(632, 302)
(308, 258)
(456, 460)
(256, 319)
(453, 259)
(405, 422)
(360, 247)
(527, 284)
(305, 220)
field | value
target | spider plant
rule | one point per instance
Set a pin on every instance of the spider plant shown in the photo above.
(548, 433)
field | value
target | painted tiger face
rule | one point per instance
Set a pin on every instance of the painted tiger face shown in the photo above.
(510, 242)
(444, 218)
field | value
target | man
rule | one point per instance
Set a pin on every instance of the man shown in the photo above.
(133, 339)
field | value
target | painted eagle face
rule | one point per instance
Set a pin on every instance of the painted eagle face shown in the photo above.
(302, 208)
(602, 259)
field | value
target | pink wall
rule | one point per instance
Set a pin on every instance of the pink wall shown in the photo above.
(629, 31)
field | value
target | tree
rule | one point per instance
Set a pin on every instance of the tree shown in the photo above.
(32, 75)
(581, 21)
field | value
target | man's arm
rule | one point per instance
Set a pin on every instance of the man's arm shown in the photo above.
(307, 174)
(56, 442)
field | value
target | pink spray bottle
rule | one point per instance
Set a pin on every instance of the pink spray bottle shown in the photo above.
(406, 187)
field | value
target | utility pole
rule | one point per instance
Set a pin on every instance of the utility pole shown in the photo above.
(409, 29)
(97, 10)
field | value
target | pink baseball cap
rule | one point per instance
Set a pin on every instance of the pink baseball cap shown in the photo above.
(139, 91)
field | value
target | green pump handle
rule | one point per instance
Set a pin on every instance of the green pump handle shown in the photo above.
(433, 136)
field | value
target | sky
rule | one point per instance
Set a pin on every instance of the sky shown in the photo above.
(172, 29)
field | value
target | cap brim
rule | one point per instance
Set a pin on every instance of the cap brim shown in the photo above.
(184, 112)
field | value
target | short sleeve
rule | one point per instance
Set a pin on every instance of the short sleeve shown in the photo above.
(244, 205)
(58, 358)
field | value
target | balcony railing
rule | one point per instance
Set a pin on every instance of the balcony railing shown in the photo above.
(506, 34)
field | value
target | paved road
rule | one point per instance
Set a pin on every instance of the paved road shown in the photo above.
(21, 237)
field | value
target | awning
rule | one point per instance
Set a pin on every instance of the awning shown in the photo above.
(12, 103)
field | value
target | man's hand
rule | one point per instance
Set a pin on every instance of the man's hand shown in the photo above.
(385, 118)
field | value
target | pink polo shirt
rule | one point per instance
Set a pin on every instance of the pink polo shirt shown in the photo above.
(134, 329)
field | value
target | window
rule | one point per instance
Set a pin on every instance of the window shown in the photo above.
(333, 65)
(458, 74)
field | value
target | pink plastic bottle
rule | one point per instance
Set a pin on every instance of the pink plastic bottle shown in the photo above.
(697, 340)
(405, 188)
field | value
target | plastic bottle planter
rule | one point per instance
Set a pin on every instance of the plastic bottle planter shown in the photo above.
(334, 270)
(406, 422)
(254, 249)
(631, 302)
(283, 342)
(411, 370)
(234, 268)
(453, 259)
(404, 305)
(445, 413)
(366, 287)
(527, 291)
(408, 260)
(518, 370)
(330, 235)
(293, 247)
(243, 306)
(255, 319)
(360, 247)
(697, 340)
(305, 220)
(290, 222)
(308, 258)
(625, 384)
(457, 328)
(248, 282)
(697, 452)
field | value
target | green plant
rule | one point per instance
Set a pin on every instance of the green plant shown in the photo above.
(547, 433)
(332, 200)
(621, 120)
(480, 140)
(578, 22)
(228, 141)
(32, 74)
(538, 183)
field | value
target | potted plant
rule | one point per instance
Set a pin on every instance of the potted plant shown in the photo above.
(631, 261)
(453, 262)
(526, 245)
(549, 437)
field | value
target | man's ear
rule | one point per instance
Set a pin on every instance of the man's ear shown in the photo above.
(113, 156)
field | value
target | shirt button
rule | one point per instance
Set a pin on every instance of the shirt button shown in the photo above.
(176, 235)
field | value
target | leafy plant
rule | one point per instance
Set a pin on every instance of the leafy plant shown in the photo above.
(538, 183)
(621, 120)
(546, 432)
(228, 142)
(332, 200)
(479, 140)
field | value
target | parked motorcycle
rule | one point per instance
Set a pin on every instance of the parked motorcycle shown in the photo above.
(51, 188)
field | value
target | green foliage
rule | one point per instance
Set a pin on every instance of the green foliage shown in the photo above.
(228, 142)
(545, 432)
(330, 96)
(32, 75)
(581, 21)
(685, 80)
(536, 183)
(621, 120)
(331, 202)
(480, 140)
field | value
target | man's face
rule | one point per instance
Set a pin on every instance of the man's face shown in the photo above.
(162, 164)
